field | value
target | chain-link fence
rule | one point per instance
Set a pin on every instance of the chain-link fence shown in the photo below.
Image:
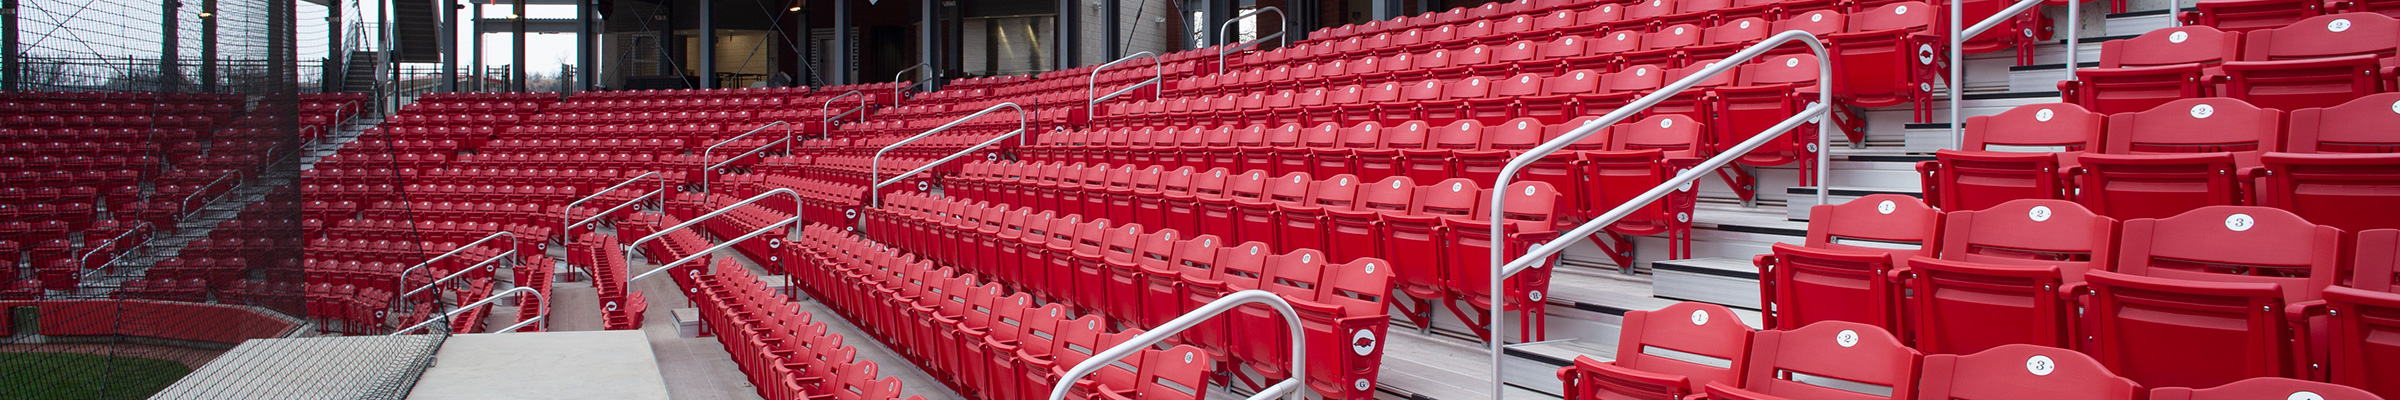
(151, 216)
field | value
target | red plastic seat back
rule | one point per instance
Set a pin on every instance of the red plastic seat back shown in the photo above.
(2265, 388)
(1665, 342)
(2364, 310)
(2195, 44)
(1870, 359)
(2022, 371)
(2235, 244)
(2031, 232)
(1896, 224)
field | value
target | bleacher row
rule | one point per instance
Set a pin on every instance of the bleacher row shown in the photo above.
(785, 352)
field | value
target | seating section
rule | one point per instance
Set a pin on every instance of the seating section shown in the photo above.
(784, 352)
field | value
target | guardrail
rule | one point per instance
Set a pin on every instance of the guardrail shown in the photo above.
(1958, 38)
(710, 153)
(875, 172)
(898, 92)
(827, 110)
(1290, 388)
(542, 318)
(566, 230)
(794, 222)
(401, 281)
(85, 260)
(186, 204)
(1502, 268)
(1158, 73)
(1227, 27)
(511, 254)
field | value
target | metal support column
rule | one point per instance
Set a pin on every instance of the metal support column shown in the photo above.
(449, 39)
(208, 44)
(10, 78)
(516, 64)
(1070, 34)
(170, 75)
(1111, 16)
(838, 66)
(584, 53)
(333, 69)
(475, 69)
(929, 45)
(708, 44)
(804, 43)
(1384, 9)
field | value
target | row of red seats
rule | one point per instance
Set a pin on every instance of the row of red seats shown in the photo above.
(989, 343)
(2246, 15)
(2323, 163)
(2137, 295)
(1714, 355)
(784, 352)
(2318, 62)
(622, 308)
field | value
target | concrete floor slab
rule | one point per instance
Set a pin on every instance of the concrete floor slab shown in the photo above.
(548, 365)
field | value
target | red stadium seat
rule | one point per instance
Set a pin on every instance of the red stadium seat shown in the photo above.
(2366, 309)
(1643, 368)
(1527, 221)
(2002, 276)
(1874, 364)
(2179, 156)
(1839, 275)
(2019, 154)
(2211, 296)
(2022, 371)
(2152, 69)
(2265, 388)
(2250, 15)
(2337, 161)
(1877, 58)
(2322, 61)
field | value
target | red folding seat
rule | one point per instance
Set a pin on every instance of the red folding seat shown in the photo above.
(1731, 36)
(1528, 220)
(2265, 388)
(1765, 94)
(2337, 161)
(2022, 153)
(2366, 308)
(1235, 268)
(1502, 103)
(1222, 216)
(1179, 373)
(1665, 47)
(2318, 62)
(1164, 294)
(2152, 69)
(2249, 15)
(1690, 346)
(1868, 362)
(1639, 156)
(1839, 274)
(1086, 280)
(1453, 104)
(2182, 155)
(1876, 58)
(2211, 296)
(1387, 159)
(1299, 156)
(1437, 161)
(1025, 359)
(1205, 186)
(1557, 102)
(2022, 371)
(1347, 308)
(2003, 275)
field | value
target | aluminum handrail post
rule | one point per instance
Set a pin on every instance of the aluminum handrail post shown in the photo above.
(1498, 202)
(1291, 388)
(945, 159)
(795, 221)
(186, 204)
(461, 272)
(537, 296)
(1227, 26)
(897, 89)
(827, 109)
(569, 212)
(86, 258)
(1092, 86)
(401, 281)
(710, 152)
(875, 165)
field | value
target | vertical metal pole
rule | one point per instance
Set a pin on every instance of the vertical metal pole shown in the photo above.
(1070, 33)
(1958, 136)
(839, 56)
(1113, 45)
(805, 43)
(928, 43)
(2074, 37)
(333, 72)
(449, 39)
(708, 44)
(475, 70)
(208, 45)
(585, 55)
(516, 64)
(10, 73)
(1210, 20)
(170, 48)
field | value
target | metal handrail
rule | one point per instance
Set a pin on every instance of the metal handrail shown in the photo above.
(565, 230)
(537, 296)
(1822, 110)
(1158, 70)
(86, 258)
(827, 110)
(710, 153)
(1223, 28)
(401, 281)
(1958, 39)
(794, 221)
(1290, 388)
(186, 204)
(505, 255)
(897, 90)
(875, 166)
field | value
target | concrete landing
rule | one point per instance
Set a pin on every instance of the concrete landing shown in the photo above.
(548, 365)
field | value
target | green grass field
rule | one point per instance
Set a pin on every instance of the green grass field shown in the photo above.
(84, 376)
